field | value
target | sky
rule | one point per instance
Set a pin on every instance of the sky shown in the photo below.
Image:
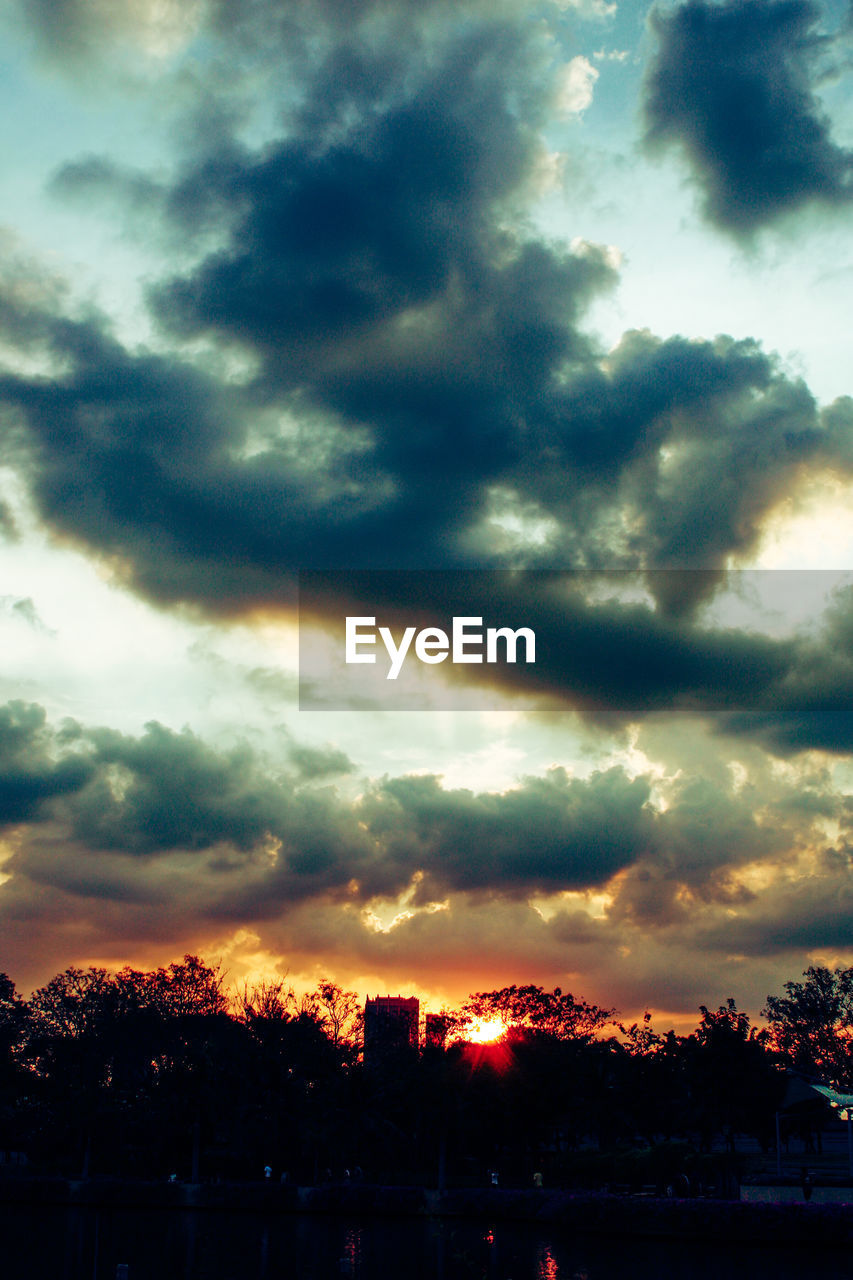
(542, 307)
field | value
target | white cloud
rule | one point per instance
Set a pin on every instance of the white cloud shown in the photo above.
(574, 86)
(593, 8)
(612, 55)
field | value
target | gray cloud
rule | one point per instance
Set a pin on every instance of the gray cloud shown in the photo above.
(616, 660)
(549, 833)
(801, 914)
(169, 799)
(319, 762)
(128, 844)
(415, 356)
(258, 839)
(734, 84)
(813, 706)
(30, 773)
(704, 837)
(153, 462)
(24, 610)
(71, 32)
(367, 355)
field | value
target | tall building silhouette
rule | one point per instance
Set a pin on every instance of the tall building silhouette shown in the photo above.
(390, 1025)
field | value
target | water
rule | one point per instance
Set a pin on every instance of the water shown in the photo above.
(74, 1244)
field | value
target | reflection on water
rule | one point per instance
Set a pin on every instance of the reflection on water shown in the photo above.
(546, 1264)
(64, 1244)
(351, 1257)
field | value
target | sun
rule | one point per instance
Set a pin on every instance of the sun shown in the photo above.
(484, 1030)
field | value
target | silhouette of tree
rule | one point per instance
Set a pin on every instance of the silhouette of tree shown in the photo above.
(551, 1012)
(649, 1090)
(190, 988)
(14, 1122)
(812, 1025)
(733, 1082)
(69, 1045)
(289, 1075)
(641, 1041)
(339, 1013)
(13, 1017)
(154, 1071)
(73, 1005)
(266, 1001)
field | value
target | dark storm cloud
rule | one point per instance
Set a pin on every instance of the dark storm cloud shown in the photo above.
(549, 833)
(734, 85)
(813, 706)
(204, 498)
(30, 775)
(340, 230)
(703, 837)
(731, 438)
(137, 814)
(355, 272)
(811, 913)
(152, 463)
(414, 352)
(124, 803)
(132, 457)
(379, 281)
(168, 791)
(414, 368)
(141, 841)
(158, 794)
(165, 795)
(595, 648)
(140, 457)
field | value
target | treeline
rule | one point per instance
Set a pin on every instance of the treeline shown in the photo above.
(154, 1073)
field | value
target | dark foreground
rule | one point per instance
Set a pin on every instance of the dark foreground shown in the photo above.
(64, 1242)
(817, 1225)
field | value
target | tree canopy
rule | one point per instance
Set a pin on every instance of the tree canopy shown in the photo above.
(532, 1008)
(812, 1024)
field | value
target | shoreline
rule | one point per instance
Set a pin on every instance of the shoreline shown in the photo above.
(593, 1213)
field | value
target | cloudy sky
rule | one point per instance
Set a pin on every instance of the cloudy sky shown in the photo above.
(473, 292)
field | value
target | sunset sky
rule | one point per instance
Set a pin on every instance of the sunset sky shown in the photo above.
(421, 286)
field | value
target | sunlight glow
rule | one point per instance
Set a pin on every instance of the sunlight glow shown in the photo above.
(484, 1031)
